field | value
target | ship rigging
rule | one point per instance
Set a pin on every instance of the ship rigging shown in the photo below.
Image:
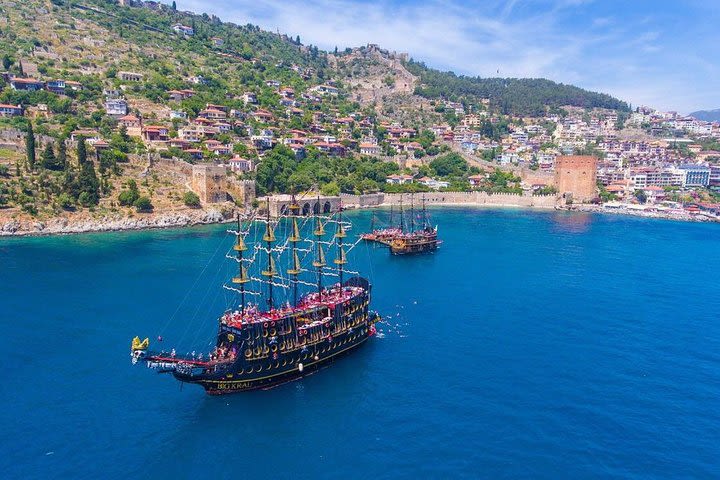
(401, 240)
(323, 316)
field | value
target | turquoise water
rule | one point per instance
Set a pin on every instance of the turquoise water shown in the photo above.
(533, 344)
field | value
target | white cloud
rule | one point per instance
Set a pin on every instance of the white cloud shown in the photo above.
(522, 38)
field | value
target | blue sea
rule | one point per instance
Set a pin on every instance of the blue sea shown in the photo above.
(533, 344)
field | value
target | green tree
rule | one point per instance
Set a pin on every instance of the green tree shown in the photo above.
(62, 153)
(49, 160)
(129, 196)
(30, 147)
(143, 204)
(70, 184)
(191, 199)
(88, 182)
(273, 173)
(81, 151)
(65, 201)
(449, 165)
(330, 189)
(174, 5)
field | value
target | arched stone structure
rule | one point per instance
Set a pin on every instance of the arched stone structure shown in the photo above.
(279, 205)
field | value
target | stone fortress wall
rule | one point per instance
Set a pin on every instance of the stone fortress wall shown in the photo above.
(452, 198)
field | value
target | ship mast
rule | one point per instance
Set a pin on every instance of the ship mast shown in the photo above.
(402, 214)
(412, 213)
(341, 258)
(424, 213)
(269, 238)
(319, 261)
(294, 269)
(242, 277)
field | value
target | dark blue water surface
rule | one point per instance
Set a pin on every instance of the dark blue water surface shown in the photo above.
(532, 345)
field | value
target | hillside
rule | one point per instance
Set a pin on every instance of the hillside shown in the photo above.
(514, 96)
(104, 109)
(707, 115)
(379, 79)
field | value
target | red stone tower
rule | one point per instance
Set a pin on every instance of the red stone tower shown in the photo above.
(576, 177)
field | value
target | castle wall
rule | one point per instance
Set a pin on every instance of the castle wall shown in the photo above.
(363, 201)
(210, 183)
(475, 198)
(242, 191)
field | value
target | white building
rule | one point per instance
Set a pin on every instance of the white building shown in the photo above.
(399, 179)
(130, 76)
(183, 30)
(116, 106)
(239, 164)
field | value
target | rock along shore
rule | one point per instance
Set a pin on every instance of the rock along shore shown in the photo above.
(70, 225)
(663, 215)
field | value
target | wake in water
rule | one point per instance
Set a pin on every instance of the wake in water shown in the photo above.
(393, 323)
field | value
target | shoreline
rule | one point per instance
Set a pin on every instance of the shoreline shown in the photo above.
(466, 204)
(579, 208)
(71, 226)
(189, 218)
(658, 215)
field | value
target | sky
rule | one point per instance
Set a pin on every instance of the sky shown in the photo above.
(659, 53)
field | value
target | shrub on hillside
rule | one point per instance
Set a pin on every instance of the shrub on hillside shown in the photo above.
(143, 204)
(191, 199)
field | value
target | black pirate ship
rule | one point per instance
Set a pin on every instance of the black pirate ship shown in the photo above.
(260, 346)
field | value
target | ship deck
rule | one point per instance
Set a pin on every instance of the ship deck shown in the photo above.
(312, 301)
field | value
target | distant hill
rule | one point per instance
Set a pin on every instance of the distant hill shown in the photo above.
(707, 115)
(520, 96)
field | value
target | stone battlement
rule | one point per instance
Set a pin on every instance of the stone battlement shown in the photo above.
(436, 198)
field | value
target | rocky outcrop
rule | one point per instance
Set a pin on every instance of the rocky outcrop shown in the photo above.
(67, 225)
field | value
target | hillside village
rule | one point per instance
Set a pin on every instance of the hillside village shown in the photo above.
(136, 110)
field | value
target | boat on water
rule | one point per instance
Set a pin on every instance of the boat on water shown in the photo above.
(260, 347)
(401, 240)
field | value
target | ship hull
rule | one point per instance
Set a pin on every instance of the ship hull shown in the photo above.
(228, 386)
(419, 242)
(286, 345)
(414, 248)
(298, 366)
